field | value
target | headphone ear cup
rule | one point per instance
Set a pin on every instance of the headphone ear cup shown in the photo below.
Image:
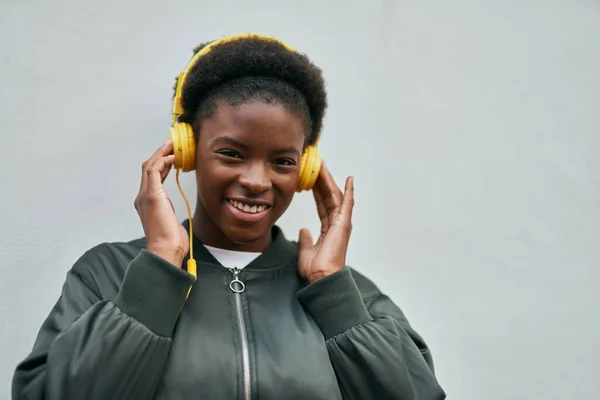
(310, 165)
(184, 146)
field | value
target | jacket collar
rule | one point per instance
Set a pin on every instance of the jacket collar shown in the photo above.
(281, 252)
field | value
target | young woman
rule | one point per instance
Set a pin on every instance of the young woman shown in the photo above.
(251, 315)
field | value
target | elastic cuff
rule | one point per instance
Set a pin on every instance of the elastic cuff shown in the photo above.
(335, 303)
(154, 292)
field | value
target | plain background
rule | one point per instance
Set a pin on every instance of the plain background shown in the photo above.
(472, 128)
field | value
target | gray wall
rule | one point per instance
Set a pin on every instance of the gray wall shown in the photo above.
(473, 130)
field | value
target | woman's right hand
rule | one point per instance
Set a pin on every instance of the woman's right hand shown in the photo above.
(165, 236)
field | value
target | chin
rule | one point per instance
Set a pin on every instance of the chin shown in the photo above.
(248, 235)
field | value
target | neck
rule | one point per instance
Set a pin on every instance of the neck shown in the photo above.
(209, 234)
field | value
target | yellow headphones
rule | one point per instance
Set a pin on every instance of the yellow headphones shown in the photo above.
(184, 143)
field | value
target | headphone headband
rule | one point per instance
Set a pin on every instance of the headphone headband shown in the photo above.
(177, 107)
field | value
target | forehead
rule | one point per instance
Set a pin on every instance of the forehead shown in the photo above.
(255, 122)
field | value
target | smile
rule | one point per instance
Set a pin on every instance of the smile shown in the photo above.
(247, 211)
(248, 208)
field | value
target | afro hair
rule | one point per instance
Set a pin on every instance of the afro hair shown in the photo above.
(254, 68)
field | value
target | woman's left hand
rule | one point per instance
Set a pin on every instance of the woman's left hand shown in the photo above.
(328, 255)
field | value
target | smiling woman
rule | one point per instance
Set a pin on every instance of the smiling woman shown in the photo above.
(259, 316)
(248, 154)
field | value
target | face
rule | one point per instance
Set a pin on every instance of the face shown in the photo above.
(247, 170)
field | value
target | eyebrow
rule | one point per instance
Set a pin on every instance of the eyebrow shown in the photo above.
(286, 150)
(237, 143)
(229, 140)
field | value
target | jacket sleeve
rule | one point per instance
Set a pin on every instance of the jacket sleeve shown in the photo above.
(92, 348)
(373, 349)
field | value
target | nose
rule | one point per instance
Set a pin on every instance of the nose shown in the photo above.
(255, 178)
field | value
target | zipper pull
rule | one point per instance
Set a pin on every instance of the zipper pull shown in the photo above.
(236, 285)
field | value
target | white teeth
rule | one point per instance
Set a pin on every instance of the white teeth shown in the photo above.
(247, 208)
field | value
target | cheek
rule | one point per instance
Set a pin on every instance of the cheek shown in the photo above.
(286, 186)
(210, 182)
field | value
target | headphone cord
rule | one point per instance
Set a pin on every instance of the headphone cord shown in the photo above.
(191, 264)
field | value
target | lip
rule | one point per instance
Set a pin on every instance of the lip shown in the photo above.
(254, 202)
(247, 217)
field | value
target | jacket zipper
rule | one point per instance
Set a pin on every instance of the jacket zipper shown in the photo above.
(237, 287)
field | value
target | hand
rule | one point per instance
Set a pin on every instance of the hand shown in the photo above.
(328, 255)
(165, 236)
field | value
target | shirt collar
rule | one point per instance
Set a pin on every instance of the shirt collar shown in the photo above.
(280, 252)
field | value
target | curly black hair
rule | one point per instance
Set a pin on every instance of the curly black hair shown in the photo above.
(253, 68)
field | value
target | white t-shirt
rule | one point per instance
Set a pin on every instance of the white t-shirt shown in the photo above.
(232, 259)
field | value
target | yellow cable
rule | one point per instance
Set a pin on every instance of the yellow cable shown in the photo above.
(191, 264)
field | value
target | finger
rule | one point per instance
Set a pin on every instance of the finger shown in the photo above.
(348, 201)
(321, 209)
(305, 239)
(169, 162)
(338, 237)
(154, 173)
(162, 151)
(332, 195)
(143, 178)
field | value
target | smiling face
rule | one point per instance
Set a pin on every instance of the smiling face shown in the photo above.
(247, 170)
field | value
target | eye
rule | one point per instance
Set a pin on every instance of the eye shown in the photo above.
(285, 162)
(229, 153)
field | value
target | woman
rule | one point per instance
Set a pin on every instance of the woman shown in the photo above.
(266, 318)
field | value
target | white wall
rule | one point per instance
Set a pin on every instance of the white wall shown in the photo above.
(472, 127)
